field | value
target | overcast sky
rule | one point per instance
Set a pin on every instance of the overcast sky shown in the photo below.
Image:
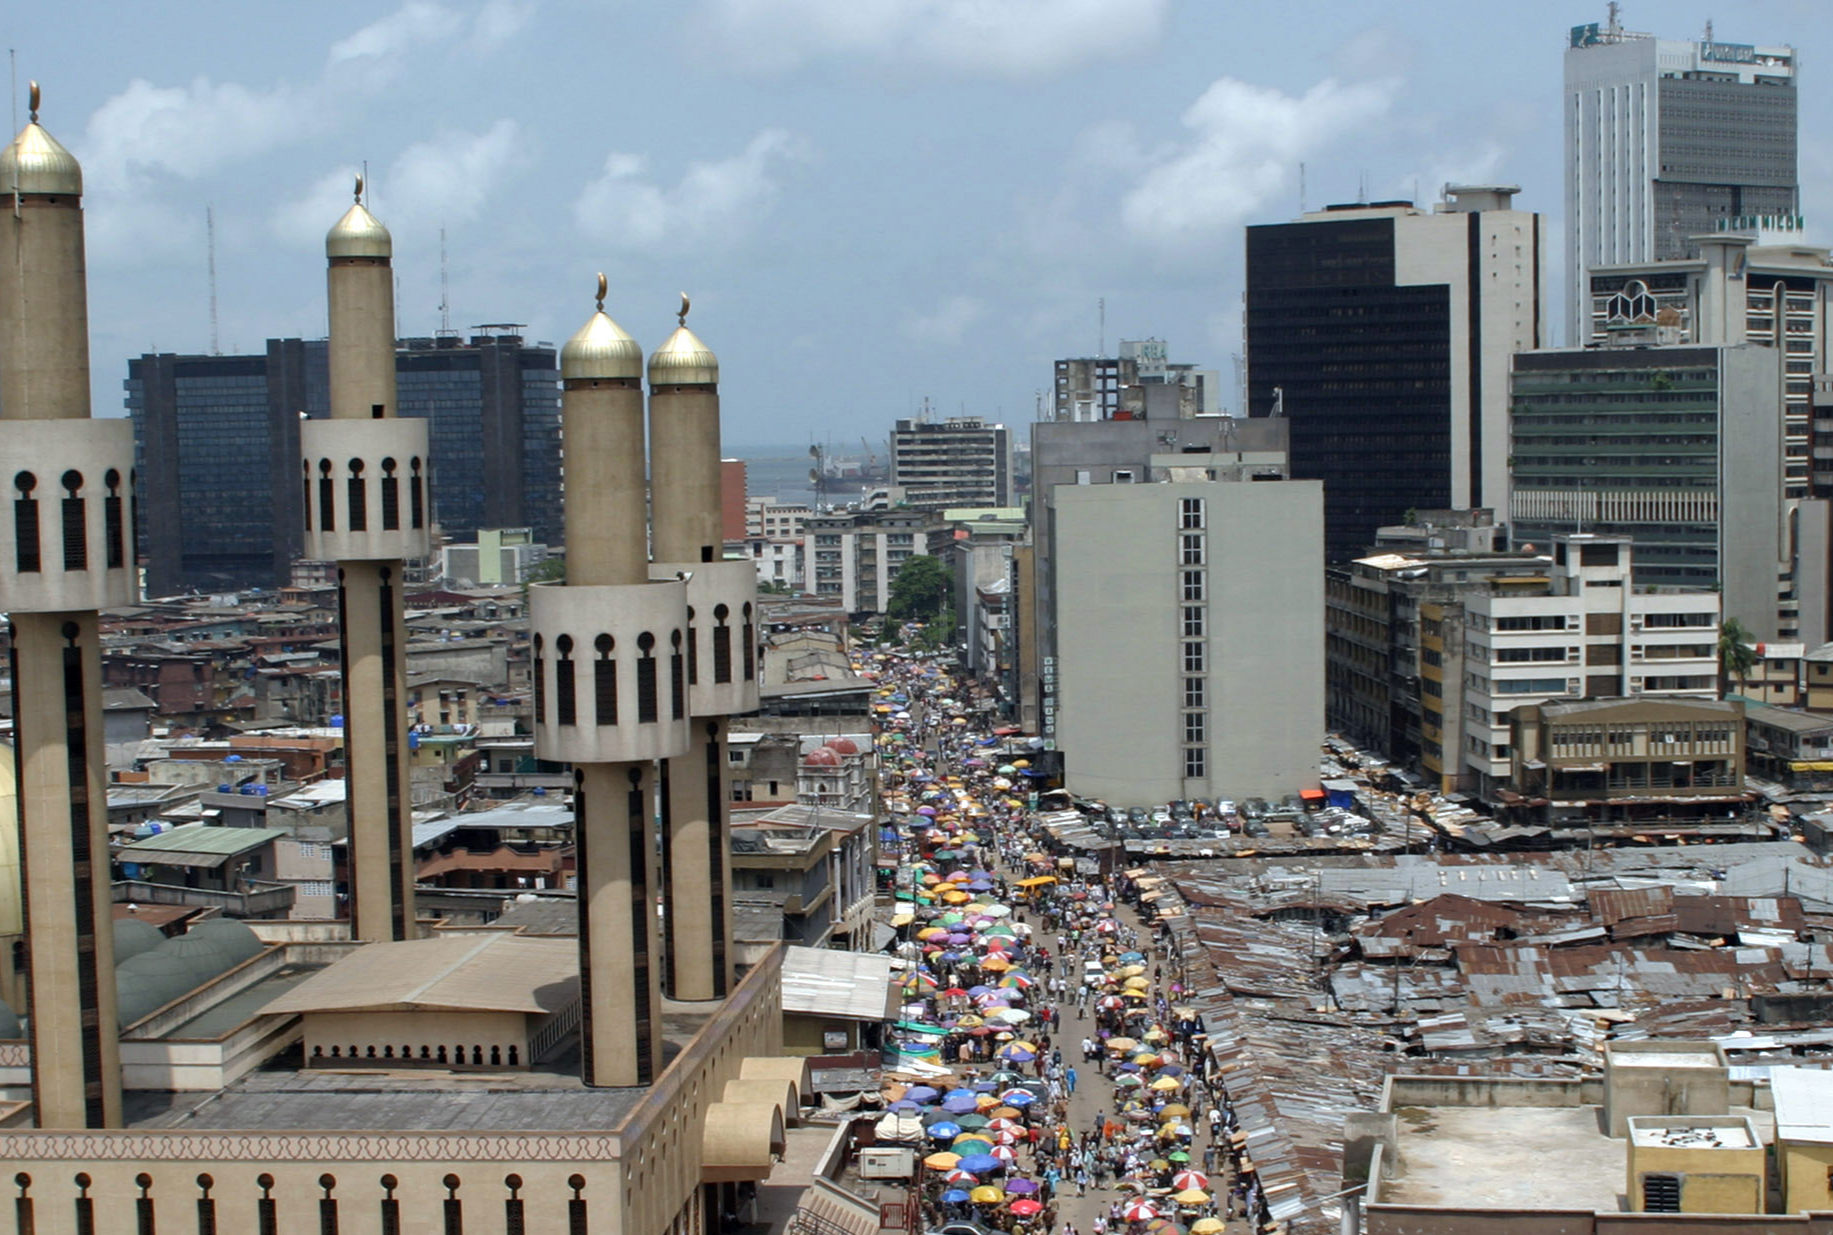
(872, 202)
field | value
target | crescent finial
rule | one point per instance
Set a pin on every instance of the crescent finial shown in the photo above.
(686, 304)
(602, 288)
(359, 187)
(32, 95)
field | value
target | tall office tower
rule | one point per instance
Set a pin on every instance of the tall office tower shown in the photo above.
(960, 461)
(688, 543)
(1665, 138)
(364, 493)
(1677, 447)
(67, 528)
(493, 409)
(1754, 284)
(1384, 334)
(217, 437)
(610, 697)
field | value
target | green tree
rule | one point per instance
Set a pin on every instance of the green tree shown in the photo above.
(1737, 655)
(921, 591)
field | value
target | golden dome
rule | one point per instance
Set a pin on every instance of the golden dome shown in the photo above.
(359, 233)
(683, 360)
(36, 163)
(601, 348)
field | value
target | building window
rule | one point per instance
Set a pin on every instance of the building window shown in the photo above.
(1196, 656)
(1196, 692)
(1196, 621)
(1196, 762)
(1196, 585)
(1190, 513)
(1196, 727)
(1191, 549)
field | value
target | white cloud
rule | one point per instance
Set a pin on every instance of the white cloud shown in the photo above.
(712, 202)
(185, 131)
(499, 21)
(951, 320)
(1244, 147)
(409, 27)
(446, 179)
(993, 38)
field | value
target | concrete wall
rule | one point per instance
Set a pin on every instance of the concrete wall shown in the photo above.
(1807, 1174)
(1119, 638)
(1751, 527)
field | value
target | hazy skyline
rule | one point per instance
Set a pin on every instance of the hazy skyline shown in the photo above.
(871, 201)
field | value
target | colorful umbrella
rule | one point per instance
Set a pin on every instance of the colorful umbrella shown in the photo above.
(986, 1194)
(1189, 1179)
(1025, 1208)
(1138, 1211)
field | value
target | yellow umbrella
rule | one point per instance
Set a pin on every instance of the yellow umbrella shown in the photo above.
(1136, 994)
(970, 1021)
(903, 919)
(1137, 983)
(1026, 1046)
(996, 962)
(1207, 1226)
(932, 932)
(1191, 1196)
(986, 1194)
(1132, 971)
(1155, 1034)
(1164, 1084)
(955, 898)
(1146, 1059)
(942, 1161)
(1121, 1044)
(1177, 1110)
(1005, 1112)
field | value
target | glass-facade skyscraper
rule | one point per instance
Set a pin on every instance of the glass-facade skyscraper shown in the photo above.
(217, 437)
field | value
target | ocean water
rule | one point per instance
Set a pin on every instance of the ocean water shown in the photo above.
(781, 471)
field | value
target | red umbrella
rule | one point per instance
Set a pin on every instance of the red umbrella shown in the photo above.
(1138, 1211)
(1190, 1179)
(1025, 1208)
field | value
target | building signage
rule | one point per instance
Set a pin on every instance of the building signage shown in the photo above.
(1728, 53)
(1148, 357)
(1588, 35)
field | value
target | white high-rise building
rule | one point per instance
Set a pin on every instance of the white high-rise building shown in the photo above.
(1669, 139)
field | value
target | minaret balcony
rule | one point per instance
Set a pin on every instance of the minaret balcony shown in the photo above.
(723, 666)
(610, 671)
(366, 488)
(67, 535)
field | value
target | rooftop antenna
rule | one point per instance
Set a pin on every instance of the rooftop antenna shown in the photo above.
(445, 287)
(1362, 187)
(210, 244)
(1101, 340)
(1301, 186)
(1616, 19)
(1708, 29)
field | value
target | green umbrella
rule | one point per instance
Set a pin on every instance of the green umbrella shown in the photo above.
(1179, 1156)
(973, 1123)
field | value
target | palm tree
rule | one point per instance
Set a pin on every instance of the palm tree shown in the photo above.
(1737, 655)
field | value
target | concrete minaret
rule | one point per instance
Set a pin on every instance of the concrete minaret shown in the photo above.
(364, 476)
(68, 544)
(686, 538)
(610, 696)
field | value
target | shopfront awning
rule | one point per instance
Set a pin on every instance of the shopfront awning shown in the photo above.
(740, 1141)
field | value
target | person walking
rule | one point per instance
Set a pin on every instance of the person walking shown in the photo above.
(1069, 1078)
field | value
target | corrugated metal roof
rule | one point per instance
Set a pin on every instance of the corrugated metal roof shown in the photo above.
(830, 982)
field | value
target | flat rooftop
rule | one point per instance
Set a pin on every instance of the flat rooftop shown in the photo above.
(1695, 1134)
(1664, 1059)
(285, 1097)
(1514, 1157)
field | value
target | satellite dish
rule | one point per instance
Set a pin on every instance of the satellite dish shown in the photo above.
(814, 475)
(814, 452)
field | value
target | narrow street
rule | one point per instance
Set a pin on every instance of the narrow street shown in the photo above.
(1069, 1109)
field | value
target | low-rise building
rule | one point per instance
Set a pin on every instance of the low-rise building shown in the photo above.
(1608, 759)
(1791, 747)
(1583, 631)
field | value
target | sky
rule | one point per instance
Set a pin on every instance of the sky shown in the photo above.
(875, 204)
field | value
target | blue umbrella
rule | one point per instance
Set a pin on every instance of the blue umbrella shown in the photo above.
(981, 1163)
(1018, 1097)
(954, 1196)
(905, 1105)
(961, 1102)
(922, 1093)
(944, 1131)
(983, 1087)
